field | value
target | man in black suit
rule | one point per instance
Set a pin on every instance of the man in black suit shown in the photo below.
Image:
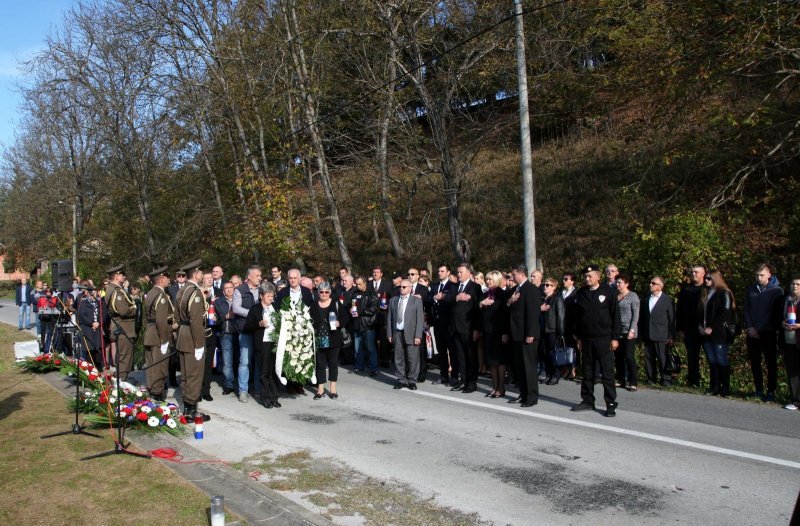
(382, 288)
(597, 327)
(420, 292)
(657, 329)
(178, 284)
(524, 306)
(294, 291)
(465, 300)
(440, 314)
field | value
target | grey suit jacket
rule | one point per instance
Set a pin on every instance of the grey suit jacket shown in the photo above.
(658, 325)
(412, 319)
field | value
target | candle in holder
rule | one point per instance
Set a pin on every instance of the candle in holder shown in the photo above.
(217, 510)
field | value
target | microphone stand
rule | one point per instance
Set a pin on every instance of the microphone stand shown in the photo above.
(77, 429)
(119, 448)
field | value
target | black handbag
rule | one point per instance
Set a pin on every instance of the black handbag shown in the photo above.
(562, 355)
(674, 363)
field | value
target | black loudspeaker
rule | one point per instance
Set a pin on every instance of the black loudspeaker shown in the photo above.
(61, 274)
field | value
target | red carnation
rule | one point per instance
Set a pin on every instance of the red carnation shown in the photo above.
(159, 411)
(102, 399)
(142, 417)
(183, 420)
(58, 362)
(39, 358)
(92, 376)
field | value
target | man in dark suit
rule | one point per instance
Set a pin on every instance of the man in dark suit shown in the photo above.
(178, 284)
(657, 329)
(294, 291)
(382, 288)
(404, 330)
(217, 280)
(440, 314)
(524, 307)
(465, 300)
(421, 292)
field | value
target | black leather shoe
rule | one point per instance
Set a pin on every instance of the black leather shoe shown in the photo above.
(412, 387)
(373, 373)
(611, 409)
(583, 406)
(515, 400)
(421, 380)
(399, 386)
(528, 404)
(267, 404)
(468, 390)
(317, 396)
(275, 403)
(334, 396)
(208, 398)
(552, 380)
(457, 387)
(227, 390)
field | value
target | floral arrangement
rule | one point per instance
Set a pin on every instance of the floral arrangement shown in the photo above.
(294, 332)
(143, 414)
(43, 363)
(100, 395)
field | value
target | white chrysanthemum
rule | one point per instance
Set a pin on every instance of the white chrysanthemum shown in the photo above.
(139, 393)
(112, 400)
(289, 347)
(171, 423)
(146, 409)
(293, 362)
(114, 393)
(165, 410)
(152, 421)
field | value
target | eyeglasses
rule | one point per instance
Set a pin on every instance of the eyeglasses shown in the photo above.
(548, 285)
(412, 274)
(405, 286)
(324, 292)
(708, 279)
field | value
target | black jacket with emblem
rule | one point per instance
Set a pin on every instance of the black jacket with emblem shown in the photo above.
(597, 313)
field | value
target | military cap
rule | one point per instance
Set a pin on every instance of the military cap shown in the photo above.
(119, 269)
(591, 268)
(161, 271)
(197, 264)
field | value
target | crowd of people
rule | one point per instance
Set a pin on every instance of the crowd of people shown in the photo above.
(513, 327)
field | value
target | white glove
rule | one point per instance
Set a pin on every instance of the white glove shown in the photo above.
(164, 348)
(198, 353)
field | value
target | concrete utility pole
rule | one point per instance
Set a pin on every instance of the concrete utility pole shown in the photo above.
(526, 156)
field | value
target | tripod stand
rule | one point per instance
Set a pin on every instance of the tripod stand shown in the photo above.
(76, 427)
(119, 447)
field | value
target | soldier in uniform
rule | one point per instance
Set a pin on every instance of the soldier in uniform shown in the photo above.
(191, 343)
(122, 310)
(160, 314)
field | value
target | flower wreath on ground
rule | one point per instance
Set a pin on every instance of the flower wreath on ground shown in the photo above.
(98, 398)
(296, 349)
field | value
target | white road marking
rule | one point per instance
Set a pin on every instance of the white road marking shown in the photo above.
(618, 430)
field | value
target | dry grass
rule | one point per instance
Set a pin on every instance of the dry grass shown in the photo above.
(44, 482)
(340, 492)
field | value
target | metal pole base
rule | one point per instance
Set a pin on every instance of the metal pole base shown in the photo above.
(118, 450)
(76, 430)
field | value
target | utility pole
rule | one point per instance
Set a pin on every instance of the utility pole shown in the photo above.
(526, 156)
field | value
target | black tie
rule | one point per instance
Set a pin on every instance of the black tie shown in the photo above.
(461, 288)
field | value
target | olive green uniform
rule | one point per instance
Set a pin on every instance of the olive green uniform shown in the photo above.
(192, 309)
(122, 310)
(160, 314)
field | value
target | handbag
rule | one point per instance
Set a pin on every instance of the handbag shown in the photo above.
(562, 355)
(347, 339)
(674, 363)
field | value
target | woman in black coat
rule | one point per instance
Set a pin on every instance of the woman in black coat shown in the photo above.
(260, 324)
(553, 325)
(329, 337)
(494, 326)
(717, 309)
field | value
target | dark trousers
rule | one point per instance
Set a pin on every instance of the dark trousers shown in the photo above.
(600, 351)
(442, 334)
(655, 362)
(526, 370)
(327, 362)
(384, 347)
(548, 344)
(269, 380)
(211, 348)
(694, 344)
(467, 358)
(625, 358)
(791, 360)
(423, 358)
(767, 345)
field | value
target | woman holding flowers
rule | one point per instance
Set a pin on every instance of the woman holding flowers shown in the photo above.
(260, 322)
(328, 318)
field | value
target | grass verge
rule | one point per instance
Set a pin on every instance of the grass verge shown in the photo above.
(346, 496)
(44, 482)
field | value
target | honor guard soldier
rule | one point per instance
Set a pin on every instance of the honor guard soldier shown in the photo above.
(122, 311)
(192, 308)
(160, 315)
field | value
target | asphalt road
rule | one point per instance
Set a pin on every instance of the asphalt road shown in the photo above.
(666, 457)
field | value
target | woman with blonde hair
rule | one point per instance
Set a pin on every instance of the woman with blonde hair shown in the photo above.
(494, 318)
(717, 309)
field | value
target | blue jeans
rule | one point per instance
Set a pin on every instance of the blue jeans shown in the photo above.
(226, 344)
(360, 338)
(24, 315)
(717, 353)
(245, 357)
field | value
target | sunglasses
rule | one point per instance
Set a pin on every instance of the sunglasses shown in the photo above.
(324, 292)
